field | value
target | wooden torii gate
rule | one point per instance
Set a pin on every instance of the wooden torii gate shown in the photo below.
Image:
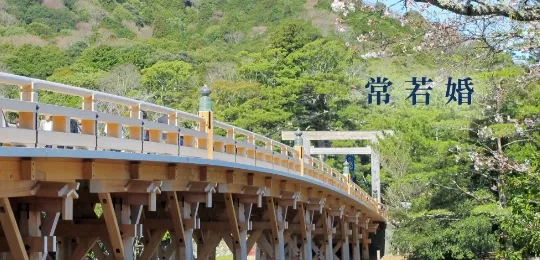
(309, 136)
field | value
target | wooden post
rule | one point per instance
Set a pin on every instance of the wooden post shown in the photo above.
(328, 229)
(230, 148)
(205, 110)
(345, 239)
(365, 242)
(135, 132)
(356, 241)
(185, 250)
(300, 149)
(30, 222)
(27, 120)
(237, 214)
(88, 127)
(179, 241)
(375, 176)
(276, 217)
(123, 216)
(305, 233)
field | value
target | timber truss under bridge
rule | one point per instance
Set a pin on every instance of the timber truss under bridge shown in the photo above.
(120, 178)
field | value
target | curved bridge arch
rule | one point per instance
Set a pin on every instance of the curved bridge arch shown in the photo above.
(194, 183)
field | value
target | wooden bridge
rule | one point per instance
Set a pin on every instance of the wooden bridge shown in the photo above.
(121, 182)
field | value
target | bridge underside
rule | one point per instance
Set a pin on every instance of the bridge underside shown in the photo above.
(66, 204)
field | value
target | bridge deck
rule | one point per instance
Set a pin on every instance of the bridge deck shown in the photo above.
(195, 183)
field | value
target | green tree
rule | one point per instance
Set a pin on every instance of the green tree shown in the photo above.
(102, 57)
(35, 61)
(170, 81)
(292, 36)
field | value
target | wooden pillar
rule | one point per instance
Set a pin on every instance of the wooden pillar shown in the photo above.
(189, 211)
(277, 222)
(345, 239)
(328, 228)
(365, 243)
(355, 241)
(305, 224)
(238, 214)
(183, 234)
(375, 176)
(123, 215)
(30, 222)
(279, 247)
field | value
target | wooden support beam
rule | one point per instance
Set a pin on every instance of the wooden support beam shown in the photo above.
(170, 249)
(206, 188)
(233, 221)
(68, 229)
(28, 169)
(151, 244)
(273, 219)
(32, 244)
(82, 249)
(237, 214)
(276, 216)
(98, 253)
(265, 245)
(112, 225)
(253, 238)
(108, 247)
(176, 215)
(208, 246)
(11, 230)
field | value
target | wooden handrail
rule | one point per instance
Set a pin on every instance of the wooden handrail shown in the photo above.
(179, 141)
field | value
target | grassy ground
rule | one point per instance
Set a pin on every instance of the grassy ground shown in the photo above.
(227, 257)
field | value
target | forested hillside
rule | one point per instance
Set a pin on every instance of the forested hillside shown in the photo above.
(461, 181)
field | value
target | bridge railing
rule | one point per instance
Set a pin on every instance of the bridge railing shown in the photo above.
(132, 132)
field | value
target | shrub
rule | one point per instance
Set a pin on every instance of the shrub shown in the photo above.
(40, 29)
(102, 57)
(55, 19)
(117, 28)
(76, 49)
(35, 61)
(12, 31)
(122, 13)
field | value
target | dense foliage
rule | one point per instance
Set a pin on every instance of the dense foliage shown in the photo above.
(461, 181)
